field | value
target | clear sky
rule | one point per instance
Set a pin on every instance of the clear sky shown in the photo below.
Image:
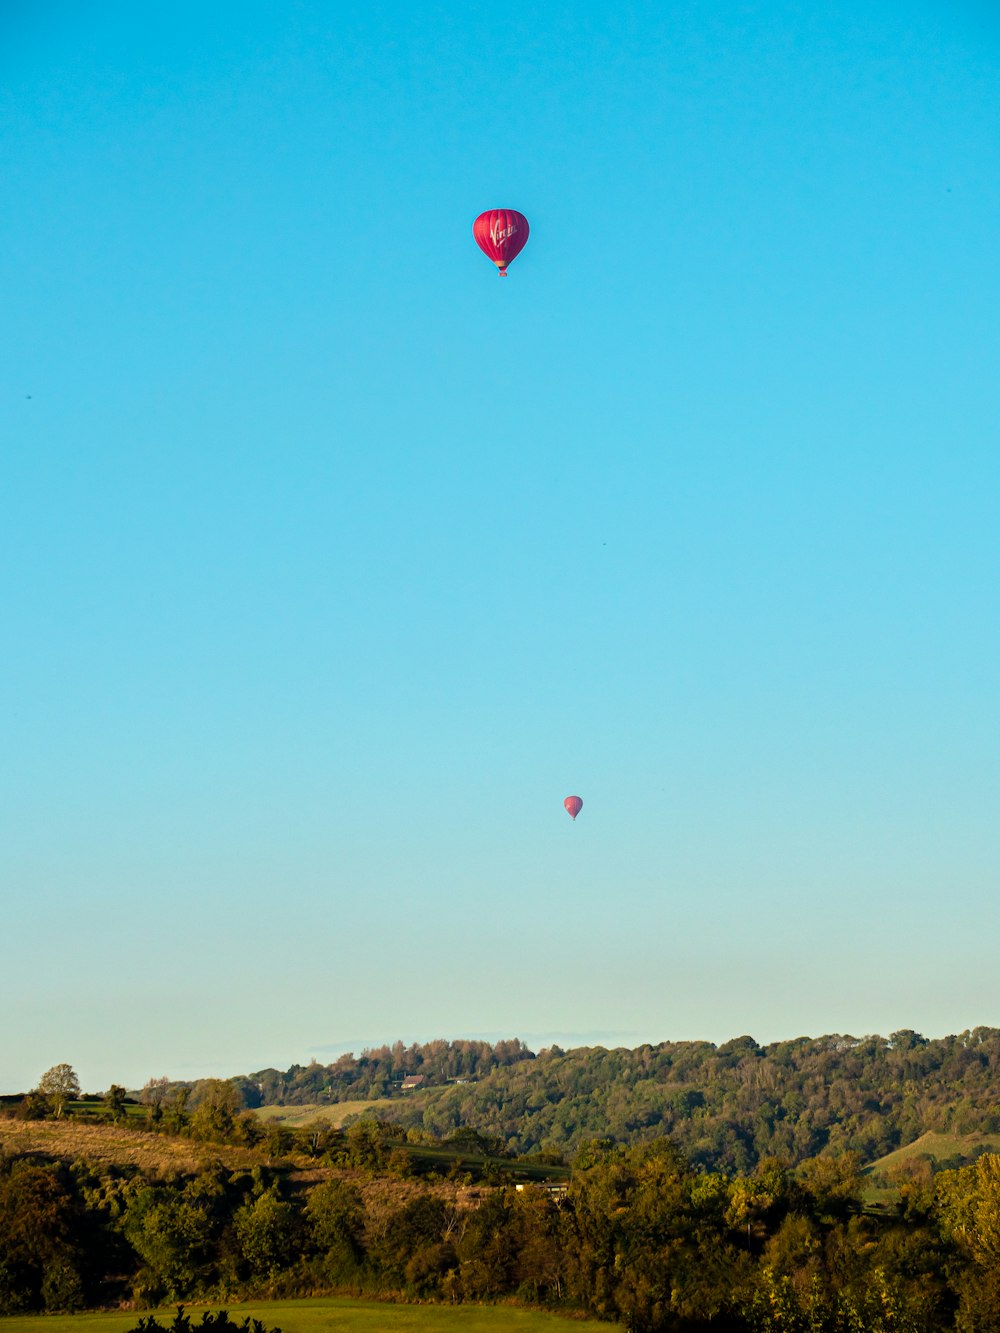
(330, 563)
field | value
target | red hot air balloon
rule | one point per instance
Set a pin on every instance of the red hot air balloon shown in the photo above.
(573, 806)
(501, 233)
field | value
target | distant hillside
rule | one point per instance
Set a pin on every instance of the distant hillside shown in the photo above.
(727, 1106)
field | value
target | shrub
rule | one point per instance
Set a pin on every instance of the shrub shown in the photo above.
(208, 1323)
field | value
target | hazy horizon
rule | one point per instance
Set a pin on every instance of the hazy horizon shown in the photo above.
(328, 1053)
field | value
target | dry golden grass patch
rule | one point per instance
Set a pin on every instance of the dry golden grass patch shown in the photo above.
(331, 1113)
(166, 1155)
(157, 1154)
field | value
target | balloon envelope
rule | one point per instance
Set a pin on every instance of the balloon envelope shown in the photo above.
(573, 806)
(501, 233)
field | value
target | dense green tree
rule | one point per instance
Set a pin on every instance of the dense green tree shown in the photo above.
(267, 1230)
(114, 1103)
(172, 1236)
(39, 1260)
(968, 1205)
(215, 1104)
(175, 1113)
(277, 1139)
(62, 1288)
(34, 1106)
(486, 1250)
(335, 1220)
(535, 1219)
(411, 1248)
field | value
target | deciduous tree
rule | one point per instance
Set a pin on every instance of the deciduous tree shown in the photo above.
(172, 1237)
(267, 1231)
(61, 1085)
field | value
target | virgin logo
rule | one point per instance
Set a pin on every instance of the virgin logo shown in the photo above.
(497, 235)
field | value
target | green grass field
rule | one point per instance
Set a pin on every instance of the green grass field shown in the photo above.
(334, 1113)
(885, 1175)
(941, 1148)
(329, 1315)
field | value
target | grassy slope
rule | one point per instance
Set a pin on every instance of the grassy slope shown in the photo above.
(334, 1113)
(941, 1147)
(123, 1147)
(330, 1315)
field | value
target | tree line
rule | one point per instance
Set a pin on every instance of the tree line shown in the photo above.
(380, 1071)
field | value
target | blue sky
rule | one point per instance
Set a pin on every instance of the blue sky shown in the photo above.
(330, 564)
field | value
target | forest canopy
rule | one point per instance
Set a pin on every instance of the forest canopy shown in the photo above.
(728, 1106)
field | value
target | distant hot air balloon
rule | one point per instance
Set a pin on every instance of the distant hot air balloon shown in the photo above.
(573, 806)
(501, 233)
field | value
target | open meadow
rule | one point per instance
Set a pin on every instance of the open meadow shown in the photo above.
(941, 1150)
(131, 1148)
(332, 1113)
(328, 1315)
(915, 1161)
